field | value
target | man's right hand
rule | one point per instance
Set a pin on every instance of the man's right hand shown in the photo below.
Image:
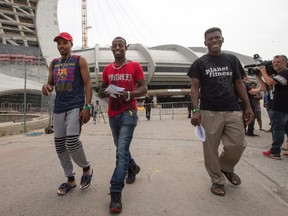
(46, 89)
(102, 93)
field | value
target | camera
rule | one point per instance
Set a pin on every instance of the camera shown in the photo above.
(253, 70)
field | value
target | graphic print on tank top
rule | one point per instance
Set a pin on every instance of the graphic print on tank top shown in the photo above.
(63, 75)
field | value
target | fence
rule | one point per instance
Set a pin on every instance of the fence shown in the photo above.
(159, 110)
(19, 107)
(166, 109)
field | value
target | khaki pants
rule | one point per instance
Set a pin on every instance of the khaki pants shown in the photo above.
(228, 127)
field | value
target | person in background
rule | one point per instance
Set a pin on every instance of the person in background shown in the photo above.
(189, 105)
(279, 109)
(70, 77)
(257, 106)
(148, 105)
(267, 102)
(251, 93)
(122, 112)
(216, 80)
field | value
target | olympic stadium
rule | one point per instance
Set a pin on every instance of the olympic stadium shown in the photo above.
(27, 29)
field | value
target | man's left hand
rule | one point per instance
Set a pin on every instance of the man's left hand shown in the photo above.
(84, 116)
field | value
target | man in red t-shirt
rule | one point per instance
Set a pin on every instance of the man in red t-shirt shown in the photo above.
(122, 112)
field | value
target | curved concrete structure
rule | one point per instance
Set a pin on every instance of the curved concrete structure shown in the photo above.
(163, 66)
(47, 28)
(151, 64)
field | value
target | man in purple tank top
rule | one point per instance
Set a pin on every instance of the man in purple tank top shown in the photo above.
(70, 77)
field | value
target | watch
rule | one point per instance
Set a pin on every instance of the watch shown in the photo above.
(196, 110)
(87, 106)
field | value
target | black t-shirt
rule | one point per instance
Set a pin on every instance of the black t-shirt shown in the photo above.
(280, 99)
(217, 75)
(147, 101)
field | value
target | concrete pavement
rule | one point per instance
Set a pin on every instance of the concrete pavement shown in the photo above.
(173, 180)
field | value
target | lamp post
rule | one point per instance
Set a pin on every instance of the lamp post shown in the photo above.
(25, 101)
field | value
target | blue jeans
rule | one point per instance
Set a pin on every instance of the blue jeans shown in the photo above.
(122, 127)
(279, 122)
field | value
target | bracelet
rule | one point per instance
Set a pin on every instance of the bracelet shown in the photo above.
(128, 96)
(196, 110)
(87, 107)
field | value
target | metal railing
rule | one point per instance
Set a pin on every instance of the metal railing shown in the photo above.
(161, 109)
(166, 109)
(18, 107)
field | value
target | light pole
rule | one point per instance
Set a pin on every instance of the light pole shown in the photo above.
(25, 101)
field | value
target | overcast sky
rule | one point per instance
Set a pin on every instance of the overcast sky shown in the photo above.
(248, 26)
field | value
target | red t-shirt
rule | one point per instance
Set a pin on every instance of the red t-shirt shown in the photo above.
(125, 77)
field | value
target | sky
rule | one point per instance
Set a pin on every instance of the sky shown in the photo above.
(248, 26)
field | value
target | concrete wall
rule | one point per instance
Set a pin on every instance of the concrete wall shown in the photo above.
(16, 117)
(7, 129)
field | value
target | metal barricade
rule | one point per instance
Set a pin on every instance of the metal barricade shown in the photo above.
(166, 109)
(160, 110)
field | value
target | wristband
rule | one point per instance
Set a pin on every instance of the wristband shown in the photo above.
(128, 96)
(196, 110)
(87, 107)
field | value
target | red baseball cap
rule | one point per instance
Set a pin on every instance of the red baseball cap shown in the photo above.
(65, 36)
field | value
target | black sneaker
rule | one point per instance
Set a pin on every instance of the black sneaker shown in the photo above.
(132, 172)
(275, 156)
(115, 204)
(252, 134)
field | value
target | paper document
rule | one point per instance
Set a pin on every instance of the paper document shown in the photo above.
(200, 132)
(113, 90)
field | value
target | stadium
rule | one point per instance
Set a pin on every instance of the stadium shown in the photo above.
(27, 29)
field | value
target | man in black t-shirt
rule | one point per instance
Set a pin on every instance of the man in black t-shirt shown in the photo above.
(279, 110)
(148, 105)
(216, 78)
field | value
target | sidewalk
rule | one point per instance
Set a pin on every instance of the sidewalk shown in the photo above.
(172, 182)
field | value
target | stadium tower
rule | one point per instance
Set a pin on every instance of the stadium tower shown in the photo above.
(22, 66)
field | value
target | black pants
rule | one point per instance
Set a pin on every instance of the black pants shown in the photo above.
(250, 129)
(189, 110)
(148, 111)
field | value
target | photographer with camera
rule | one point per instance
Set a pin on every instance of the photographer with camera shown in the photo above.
(279, 109)
(253, 70)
